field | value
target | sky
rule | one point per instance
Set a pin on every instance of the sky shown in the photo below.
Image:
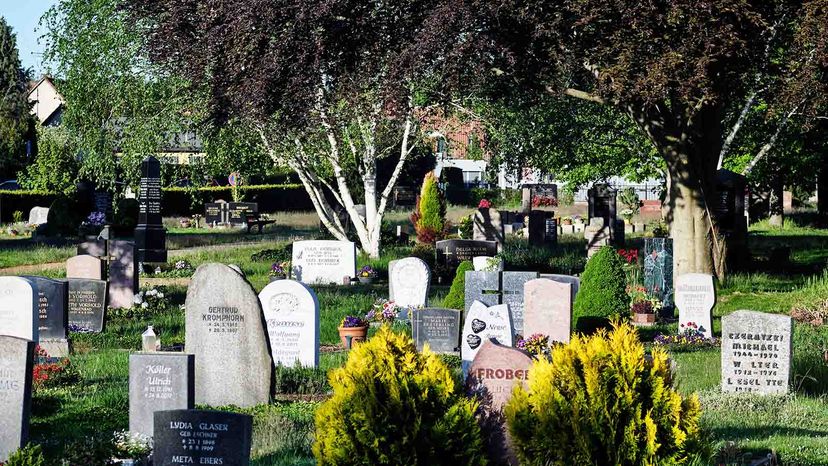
(23, 16)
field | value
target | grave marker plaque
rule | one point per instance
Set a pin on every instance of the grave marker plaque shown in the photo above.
(52, 315)
(438, 327)
(756, 352)
(408, 282)
(291, 312)
(452, 252)
(215, 213)
(158, 382)
(19, 316)
(695, 298)
(16, 359)
(548, 309)
(85, 266)
(86, 304)
(323, 262)
(225, 331)
(237, 212)
(190, 436)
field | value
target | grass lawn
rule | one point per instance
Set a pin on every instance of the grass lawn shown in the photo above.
(795, 426)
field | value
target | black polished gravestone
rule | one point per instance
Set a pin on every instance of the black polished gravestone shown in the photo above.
(86, 304)
(237, 212)
(452, 252)
(404, 196)
(438, 327)
(191, 436)
(150, 236)
(215, 213)
(53, 297)
(602, 202)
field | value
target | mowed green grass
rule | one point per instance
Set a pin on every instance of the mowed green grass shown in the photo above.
(795, 426)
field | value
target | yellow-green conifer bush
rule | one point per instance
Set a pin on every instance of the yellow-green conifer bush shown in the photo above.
(392, 406)
(598, 401)
(429, 216)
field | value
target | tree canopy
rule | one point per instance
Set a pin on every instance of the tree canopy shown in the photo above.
(16, 124)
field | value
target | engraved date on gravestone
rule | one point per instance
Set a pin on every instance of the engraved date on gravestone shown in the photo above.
(223, 319)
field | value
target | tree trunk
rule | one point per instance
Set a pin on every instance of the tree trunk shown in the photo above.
(822, 191)
(776, 205)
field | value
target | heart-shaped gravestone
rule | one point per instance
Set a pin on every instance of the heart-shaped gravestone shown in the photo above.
(478, 325)
(473, 341)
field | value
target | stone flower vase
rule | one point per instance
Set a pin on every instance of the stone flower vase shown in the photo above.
(354, 334)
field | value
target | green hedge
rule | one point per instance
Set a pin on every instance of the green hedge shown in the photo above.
(11, 201)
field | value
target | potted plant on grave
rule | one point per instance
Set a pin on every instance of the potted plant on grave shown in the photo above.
(644, 309)
(383, 311)
(279, 271)
(366, 275)
(131, 448)
(351, 330)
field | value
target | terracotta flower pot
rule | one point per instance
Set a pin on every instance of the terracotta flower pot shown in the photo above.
(644, 319)
(356, 334)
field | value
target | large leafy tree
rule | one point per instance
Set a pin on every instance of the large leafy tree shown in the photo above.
(676, 68)
(325, 85)
(15, 120)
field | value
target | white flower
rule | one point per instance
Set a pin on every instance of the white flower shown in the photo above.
(144, 305)
(160, 295)
(137, 299)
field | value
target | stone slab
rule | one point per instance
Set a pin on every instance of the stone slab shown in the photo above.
(323, 262)
(560, 278)
(38, 215)
(437, 327)
(757, 350)
(85, 266)
(158, 382)
(512, 294)
(483, 287)
(123, 274)
(53, 316)
(452, 252)
(202, 438)
(86, 304)
(291, 312)
(16, 359)
(695, 298)
(548, 309)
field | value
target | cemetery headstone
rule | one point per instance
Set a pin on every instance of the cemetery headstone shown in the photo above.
(85, 266)
(98, 248)
(572, 280)
(323, 262)
(729, 211)
(512, 294)
(438, 327)
(658, 271)
(103, 203)
(537, 227)
(38, 215)
(237, 212)
(123, 274)
(150, 235)
(53, 317)
(158, 382)
(548, 309)
(16, 359)
(756, 352)
(483, 287)
(493, 374)
(215, 213)
(487, 226)
(551, 230)
(452, 252)
(602, 202)
(291, 312)
(225, 332)
(482, 323)
(86, 304)
(408, 282)
(404, 196)
(19, 316)
(695, 298)
(190, 436)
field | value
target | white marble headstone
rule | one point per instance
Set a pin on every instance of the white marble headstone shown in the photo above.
(695, 298)
(291, 312)
(408, 282)
(323, 262)
(483, 323)
(756, 352)
(19, 308)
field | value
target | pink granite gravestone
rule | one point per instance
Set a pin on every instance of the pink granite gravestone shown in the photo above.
(547, 309)
(85, 266)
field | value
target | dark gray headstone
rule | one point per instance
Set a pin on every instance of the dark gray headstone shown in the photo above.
(123, 274)
(52, 312)
(150, 235)
(86, 304)
(201, 437)
(16, 359)
(226, 333)
(537, 228)
(551, 230)
(512, 294)
(602, 202)
(452, 252)
(159, 382)
(215, 213)
(237, 212)
(438, 327)
(483, 287)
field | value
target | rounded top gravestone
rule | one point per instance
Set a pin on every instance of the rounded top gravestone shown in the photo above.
(291, 312)
(484, 323)
(19, 309)
(408, 282)
(225, 332)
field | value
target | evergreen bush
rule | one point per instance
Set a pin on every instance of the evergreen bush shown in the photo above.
(603, 292)
(30, 455)
(392, 405)
(429, 216)
(599, 401)
(456, 297)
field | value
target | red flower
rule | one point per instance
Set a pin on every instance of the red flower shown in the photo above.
(484, 204)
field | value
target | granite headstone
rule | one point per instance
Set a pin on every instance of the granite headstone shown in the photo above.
(409, 280)
(123, 274)
(97, 248)
(190, 436)
(158, 382)
(16, 359)
(757, 350)
(483, 287)
(291, 312)
(548, 309)
(695, 298)
(437, 327)
(86, 304)
(512, 294)
(150, 235)
(19, 304)
(323, 262)
(452, 252)
(52, 315)
(85, 266)
(572, 280)
(38, 215)
(487, 226)
(482, 323)
(225, 331)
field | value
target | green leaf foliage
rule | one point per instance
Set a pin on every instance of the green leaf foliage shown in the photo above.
(55, 167)
(456, 297)
(430, 218)
(15, 121)
(603, 291)
(598, 401)
(392, 405)
(30, 455)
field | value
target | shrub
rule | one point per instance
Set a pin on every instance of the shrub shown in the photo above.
(429, 217)
(456, 297)
(300, 380)
(30, 455)
(599, 401)
(280, 253)
(55, 166)
(393, 405)
(64, 217)
(603, 290)
(426, 253)
(126, 214)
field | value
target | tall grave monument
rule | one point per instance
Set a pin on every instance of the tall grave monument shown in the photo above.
(150, 236)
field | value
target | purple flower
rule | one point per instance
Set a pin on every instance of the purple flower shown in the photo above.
(353, 321)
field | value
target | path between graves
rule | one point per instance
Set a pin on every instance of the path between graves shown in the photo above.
(34, 268)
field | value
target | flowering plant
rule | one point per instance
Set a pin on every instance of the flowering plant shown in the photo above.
(95, 219)
(627, 214)
(383, 310)
(144, 304)
(353, 322)
(484, 204)
(367, 271)
(537, 345)
(74, 328)
(131, 444)
(544, 201)
(280, 269)
(629, 255)
(690, 338)
(641, 302)
(48, 373)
